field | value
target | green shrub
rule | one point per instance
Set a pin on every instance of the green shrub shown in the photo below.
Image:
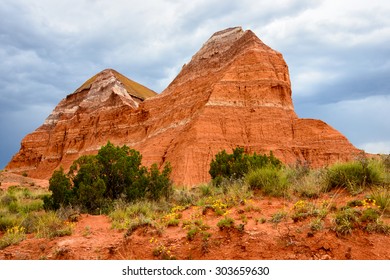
(278, 217)
(60, 186)
(378, 227)
(229, 166)
(316, 224)
(270, 180)
(184, 196)
(30, 206)
(26, 193)
(355, 175)
(346, 220)
(236, 165)
(355, 203)
(158, 183)
(382, 199)
(12, 236)
(49, 225)
(370, 215)
(30, 222)
(89, 188)
(206, 189)
(7, 199)
(305, 183)
(8, 220)
(13, 207)
(120, 167)
(194, 227)
(94, 181)
(225, 223)
(173, 222)
(139, 223)
(302, 210)
(192, 232)
(125, 214)
(386, 162)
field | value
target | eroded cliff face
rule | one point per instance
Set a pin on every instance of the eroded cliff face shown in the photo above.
(235, 91)
(80, 124)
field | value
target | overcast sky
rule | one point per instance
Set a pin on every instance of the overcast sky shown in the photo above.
(338, 54)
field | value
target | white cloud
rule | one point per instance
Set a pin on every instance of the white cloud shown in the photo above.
(376, 147)
(341, 24)
(336, 51)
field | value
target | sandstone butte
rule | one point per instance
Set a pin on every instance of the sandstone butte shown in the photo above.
(235, 91)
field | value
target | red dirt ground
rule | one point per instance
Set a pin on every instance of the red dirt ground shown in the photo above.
(93, 238)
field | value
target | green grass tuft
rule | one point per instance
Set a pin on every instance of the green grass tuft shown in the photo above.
(355, 176)
(270, 180)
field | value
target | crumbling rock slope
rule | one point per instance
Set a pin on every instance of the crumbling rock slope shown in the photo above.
(235, 91)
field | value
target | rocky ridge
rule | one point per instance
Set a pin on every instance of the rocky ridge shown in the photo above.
(235, 91)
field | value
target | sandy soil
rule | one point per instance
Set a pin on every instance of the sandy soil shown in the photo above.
(94, 238)
(8, 179)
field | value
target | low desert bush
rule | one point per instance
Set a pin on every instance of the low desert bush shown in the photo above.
(20, 207)
(172, 219)
(8, 220)
(382, 199)
(370, 215)
(12, 236)
(29, 206)
(30, 222)
(139, 223)
(194, 227)
(225, 223)
(7, 199)
(316, 224)
(355, 176)
(306, 185)
(278, 217)
(378, 227)
(191, 233)
(386, 162)
(270, 180)
(126, 215)
(21, 212)
(346, 220)
(49, 225)
(218, 205)
(303, 209)
(206, 189)
(297, 171)
(237, 192)
(235, 165)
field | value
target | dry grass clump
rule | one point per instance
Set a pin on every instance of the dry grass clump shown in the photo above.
(21, 212)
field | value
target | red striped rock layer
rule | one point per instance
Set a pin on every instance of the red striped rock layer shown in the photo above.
(235, 91)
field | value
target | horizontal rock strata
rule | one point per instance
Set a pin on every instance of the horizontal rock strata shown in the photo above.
(235, 91)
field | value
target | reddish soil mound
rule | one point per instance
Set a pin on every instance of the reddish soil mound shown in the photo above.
(8, 179)
(92, 239)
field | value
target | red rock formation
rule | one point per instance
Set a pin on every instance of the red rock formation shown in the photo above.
(79, 124)
(235, 91)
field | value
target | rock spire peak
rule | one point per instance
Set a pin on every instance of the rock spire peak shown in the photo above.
(235, 91)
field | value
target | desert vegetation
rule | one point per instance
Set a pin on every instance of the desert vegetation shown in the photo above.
(138, 198)
(22, 213)
(93, 183)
